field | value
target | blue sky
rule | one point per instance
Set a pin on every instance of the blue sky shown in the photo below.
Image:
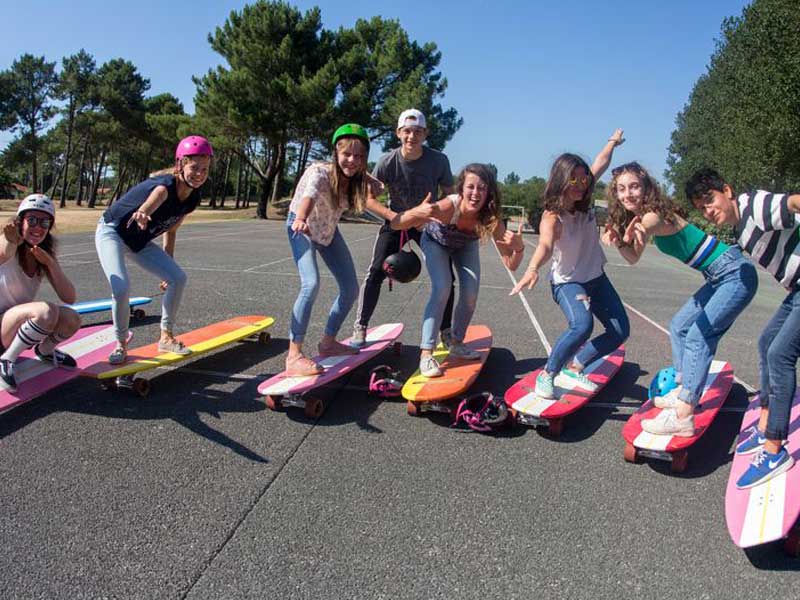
(531, 79)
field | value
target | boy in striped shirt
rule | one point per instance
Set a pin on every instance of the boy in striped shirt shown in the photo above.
(767, 226)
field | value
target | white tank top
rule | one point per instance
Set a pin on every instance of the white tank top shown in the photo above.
(15, 286)
(577, 255)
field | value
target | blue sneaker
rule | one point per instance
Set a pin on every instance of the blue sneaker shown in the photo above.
(544, 385)
(764, 467)
(752, 443)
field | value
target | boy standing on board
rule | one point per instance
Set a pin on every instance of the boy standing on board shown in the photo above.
(767, 226)
(413, 173)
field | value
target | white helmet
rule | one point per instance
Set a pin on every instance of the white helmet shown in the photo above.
(37, 202)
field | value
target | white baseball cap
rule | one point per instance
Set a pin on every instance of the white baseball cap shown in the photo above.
(411, 118)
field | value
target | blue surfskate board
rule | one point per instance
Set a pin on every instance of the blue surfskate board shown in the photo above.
(93, 306)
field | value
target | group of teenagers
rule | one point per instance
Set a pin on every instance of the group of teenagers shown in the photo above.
(450, 219)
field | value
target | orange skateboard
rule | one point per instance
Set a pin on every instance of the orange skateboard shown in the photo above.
(430, 394)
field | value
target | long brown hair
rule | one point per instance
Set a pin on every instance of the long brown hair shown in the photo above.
(558, 182)
(652, 199)
(354, 187)
(489, 214)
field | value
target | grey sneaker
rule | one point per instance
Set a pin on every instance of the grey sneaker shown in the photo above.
(668, 423)
(570, 380)
(668, 400)
(429, 367)
(461, 350)
(359, 336)
(447, 337)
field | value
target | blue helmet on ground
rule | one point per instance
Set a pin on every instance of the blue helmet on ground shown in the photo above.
(663, 382)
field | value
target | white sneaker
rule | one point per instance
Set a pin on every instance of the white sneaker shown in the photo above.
(570, 380)
(668, 423)
(429, 367)
(668, 400)
(461, 350)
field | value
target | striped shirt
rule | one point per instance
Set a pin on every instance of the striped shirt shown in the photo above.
(768, 231)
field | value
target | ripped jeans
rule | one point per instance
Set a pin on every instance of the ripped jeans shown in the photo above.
(580, 303)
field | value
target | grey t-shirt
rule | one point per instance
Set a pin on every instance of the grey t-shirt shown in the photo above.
(410, 181)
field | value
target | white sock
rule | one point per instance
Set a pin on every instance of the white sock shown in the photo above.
(28, 335)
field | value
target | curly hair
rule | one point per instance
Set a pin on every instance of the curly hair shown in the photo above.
(559, 181)
(489, 215)
(652, 199)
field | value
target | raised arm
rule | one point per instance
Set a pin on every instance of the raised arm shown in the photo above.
(422, 213)
(603, 159)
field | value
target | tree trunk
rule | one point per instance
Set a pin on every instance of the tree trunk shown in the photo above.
(239, 166)
(79, 194)
(225, 180)
(97, 175)
(276, 185)
(118, 189)
(68, 152)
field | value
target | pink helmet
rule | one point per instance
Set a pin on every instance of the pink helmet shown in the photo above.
(192, 146)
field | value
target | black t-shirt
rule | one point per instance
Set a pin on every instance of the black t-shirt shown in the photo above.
(165, 216)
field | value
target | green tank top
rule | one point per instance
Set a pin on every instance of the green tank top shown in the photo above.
(692, 246)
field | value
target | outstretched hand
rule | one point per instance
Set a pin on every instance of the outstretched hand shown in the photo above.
(11, 231)
(513, 239)
(634, 232)
(141, 219)
(528, 280)
(617, 137)
(610, 236)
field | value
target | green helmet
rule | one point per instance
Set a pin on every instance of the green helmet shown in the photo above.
(351, 130)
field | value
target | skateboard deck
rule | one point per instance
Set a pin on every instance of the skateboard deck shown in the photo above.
(426, 394)
(199, 341)
(285, 390)
(92, 306)
(530, 409)
(670, 448)
(769, 511)
(35, 377)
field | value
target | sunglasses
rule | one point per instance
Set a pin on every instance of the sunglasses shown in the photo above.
(634, 167)
(33, 221)
(584, 181)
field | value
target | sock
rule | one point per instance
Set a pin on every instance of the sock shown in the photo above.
(28, 335)
(48, 345)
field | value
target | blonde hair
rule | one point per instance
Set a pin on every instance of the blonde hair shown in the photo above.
(176, 168)
(355, 187)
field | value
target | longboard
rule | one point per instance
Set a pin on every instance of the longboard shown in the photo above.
(285, 390)
(674, 449)
(35, 377)
(430, 394)
(199, 341)
(769, 511)
(530, 409)
(92, 306)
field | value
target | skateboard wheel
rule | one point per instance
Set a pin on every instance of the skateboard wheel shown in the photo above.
(264, 338)
(313, 408)
(397, 348)
(555, 427)
(679, 462)
(630, 453)
(141, 387)
(273, 402)
(109, 385)
(412, 409)
(792, 543)
(138, 314)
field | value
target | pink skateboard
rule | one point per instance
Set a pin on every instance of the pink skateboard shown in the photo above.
(35, 378)
(674, 449)
(530, 409)
(769, 511)
(283, 390)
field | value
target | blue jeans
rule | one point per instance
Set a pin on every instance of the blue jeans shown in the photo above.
(337, 258)
(778, 351)
(580, 303)
(696, 329)
(152, 258)
(467, 265)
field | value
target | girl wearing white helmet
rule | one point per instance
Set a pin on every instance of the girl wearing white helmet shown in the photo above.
(128, 227)
(27, 255)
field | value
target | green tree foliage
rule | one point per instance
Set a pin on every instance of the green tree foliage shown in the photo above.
(743, 116)
(511, 179)
(528, 194)
(382, 73)
(27, 103)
